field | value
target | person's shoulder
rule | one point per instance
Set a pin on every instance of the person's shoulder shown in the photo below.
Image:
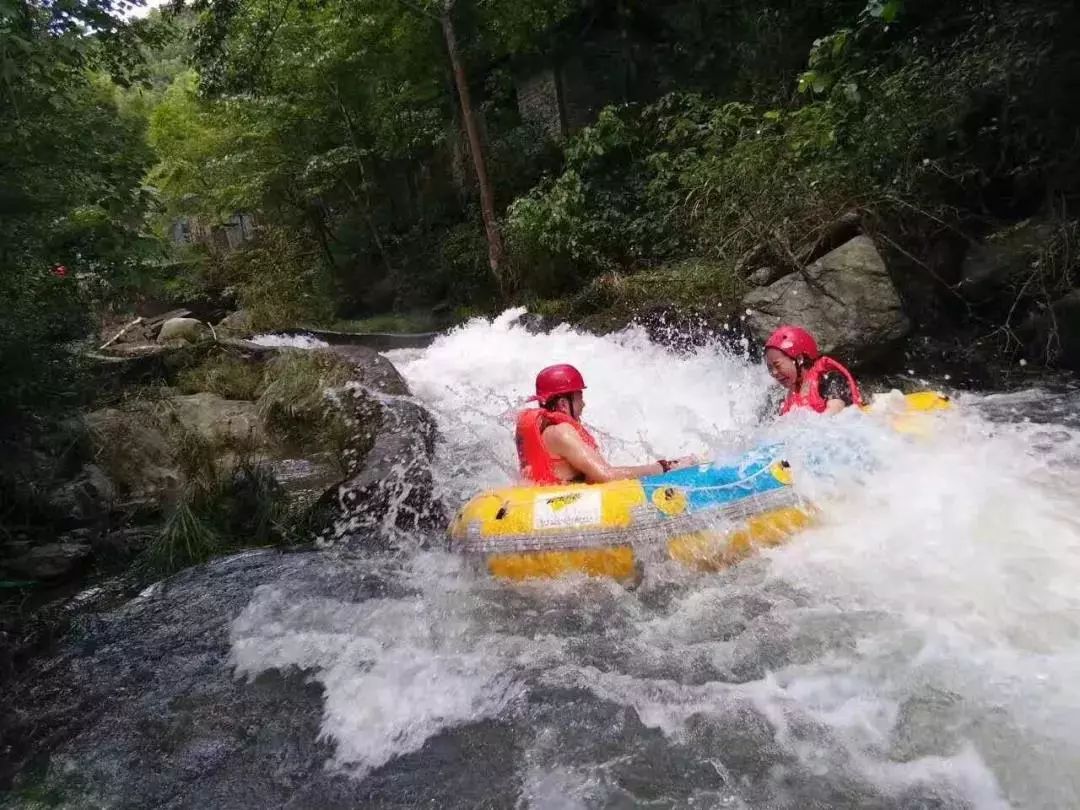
(561, 429)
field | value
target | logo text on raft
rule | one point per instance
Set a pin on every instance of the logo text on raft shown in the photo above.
(568, 510)
(560, 502)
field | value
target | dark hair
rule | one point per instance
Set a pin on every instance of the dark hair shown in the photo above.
(553, 403)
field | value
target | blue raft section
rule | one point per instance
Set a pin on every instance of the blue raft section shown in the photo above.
(709, 487)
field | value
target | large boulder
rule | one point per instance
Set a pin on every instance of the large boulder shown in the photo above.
(48, 560)
(237, 323)
(846, 299)
(1003, 260)
(1052, 334)
(135, 452)
(389, 491)
(86, 498)
(188, 330)
(218, 421)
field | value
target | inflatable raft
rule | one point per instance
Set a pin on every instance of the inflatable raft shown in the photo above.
(705, 517)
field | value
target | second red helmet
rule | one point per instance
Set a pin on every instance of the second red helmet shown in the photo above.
(794, 341)
(557, 380)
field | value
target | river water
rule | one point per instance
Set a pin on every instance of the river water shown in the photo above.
(919, 648)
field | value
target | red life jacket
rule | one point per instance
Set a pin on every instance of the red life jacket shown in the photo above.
(537, 463)
(811, 382)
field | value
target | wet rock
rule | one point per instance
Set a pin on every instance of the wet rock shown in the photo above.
(236, 323)
(188, 330)
(390, 488)
(1052, 334)
(846, 299)
(373, 372)
(135, 451)
(86, 498)
(534, 323)
(142, 709)
(124, 543)
(50, 560)
(1005, 256)
(218, 421)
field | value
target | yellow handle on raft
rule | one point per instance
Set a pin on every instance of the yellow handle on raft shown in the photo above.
(912, 419)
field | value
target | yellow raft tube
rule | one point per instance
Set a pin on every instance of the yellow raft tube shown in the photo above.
(706, 517)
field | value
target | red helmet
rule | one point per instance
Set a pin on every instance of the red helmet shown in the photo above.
(794, 341)
(557, 380)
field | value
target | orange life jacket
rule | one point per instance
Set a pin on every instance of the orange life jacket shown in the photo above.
(811, 383)
(536, 462)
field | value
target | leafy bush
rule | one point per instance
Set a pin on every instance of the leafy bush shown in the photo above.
(280, 279)
(611, 301)
(682, 176)
(39, 373)
(920, 134)
(69, 196)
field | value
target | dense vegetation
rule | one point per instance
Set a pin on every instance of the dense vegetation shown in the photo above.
(733, 127)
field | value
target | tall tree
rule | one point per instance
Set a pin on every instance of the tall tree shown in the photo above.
(373, 73)
(71, 165)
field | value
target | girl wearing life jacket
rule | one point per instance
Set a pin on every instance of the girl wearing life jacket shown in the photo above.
(812, 380)
(555, 448)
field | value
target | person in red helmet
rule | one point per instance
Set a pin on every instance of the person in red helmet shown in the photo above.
(555, 448)
(812, 380)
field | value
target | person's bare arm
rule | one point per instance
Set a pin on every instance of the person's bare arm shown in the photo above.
(564, 441)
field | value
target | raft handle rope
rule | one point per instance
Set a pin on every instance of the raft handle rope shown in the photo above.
(743, 483)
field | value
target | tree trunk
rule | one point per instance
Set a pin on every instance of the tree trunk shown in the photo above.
(496, 254)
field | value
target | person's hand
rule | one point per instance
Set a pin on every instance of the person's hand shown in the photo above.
(684, 462)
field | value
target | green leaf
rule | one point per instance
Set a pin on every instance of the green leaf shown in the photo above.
(840, 41)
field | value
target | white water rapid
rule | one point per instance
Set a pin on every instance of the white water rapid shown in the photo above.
(918, 648)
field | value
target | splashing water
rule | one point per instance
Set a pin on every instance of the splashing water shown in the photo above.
(641, 403)
(299, 341)
(917, 648)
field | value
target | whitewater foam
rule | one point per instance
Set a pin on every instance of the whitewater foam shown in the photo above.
(298, 341)
(919, 644)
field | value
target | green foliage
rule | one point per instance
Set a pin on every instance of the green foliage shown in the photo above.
(611, 301)
(188, 538)
(683, 175)
(916, 132)
(332, 121)
(70, 189)
(220, 510)
(297, 400)
(408, 322)
(281, 279)
(226, 376)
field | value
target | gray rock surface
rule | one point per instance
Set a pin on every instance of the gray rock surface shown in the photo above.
(845, 299)
(1003, 259)
(189, 330)
(48, 560)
